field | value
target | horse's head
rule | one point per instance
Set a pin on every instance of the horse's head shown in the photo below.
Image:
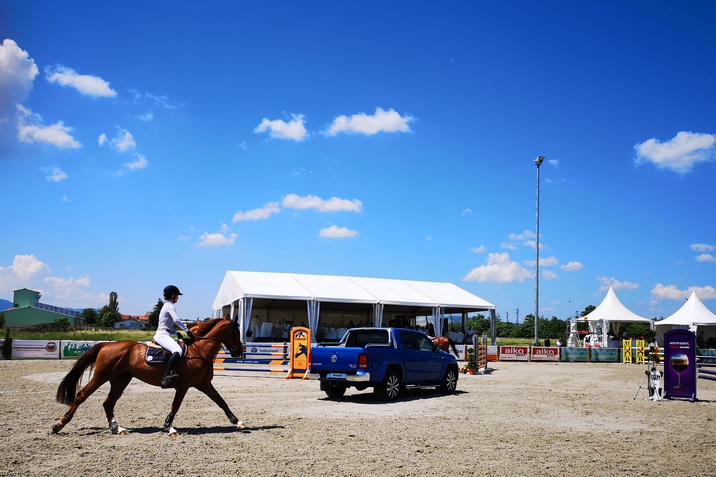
(232, 341)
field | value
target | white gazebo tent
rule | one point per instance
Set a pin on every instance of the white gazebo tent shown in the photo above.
(610, 310)
(692, 315)
(312, 296)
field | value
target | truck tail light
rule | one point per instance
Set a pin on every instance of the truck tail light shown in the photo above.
(362, 361)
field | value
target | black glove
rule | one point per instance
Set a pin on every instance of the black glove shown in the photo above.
(191, 337)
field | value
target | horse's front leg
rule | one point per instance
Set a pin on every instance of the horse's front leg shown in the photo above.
(208, 389)
(176, 403)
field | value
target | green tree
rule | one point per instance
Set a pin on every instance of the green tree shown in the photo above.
(109, 313)
(153, 317)
(2, 319)
(89, 316)
(64, 322)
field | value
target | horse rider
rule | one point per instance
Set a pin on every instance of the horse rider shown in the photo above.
(168, 319)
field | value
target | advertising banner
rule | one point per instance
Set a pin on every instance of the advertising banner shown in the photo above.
(544, 353)
(575, 355)
(75, 349)
(514, 353)
(36, 349)
(604, 355)
(680, 365)
(492, 353)
(300, 349)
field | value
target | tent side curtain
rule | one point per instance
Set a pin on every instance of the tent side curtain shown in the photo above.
(437, 318)
(314, 309)
(245, 307)
(378, 314)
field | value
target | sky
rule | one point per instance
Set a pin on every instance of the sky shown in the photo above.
(152, 143)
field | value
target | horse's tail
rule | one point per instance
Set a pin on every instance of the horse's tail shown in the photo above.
(67, 391)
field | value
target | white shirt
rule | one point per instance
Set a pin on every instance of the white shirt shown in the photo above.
(168, 319)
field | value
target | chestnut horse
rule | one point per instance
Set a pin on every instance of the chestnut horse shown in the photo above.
(445, 343)
(120, 361)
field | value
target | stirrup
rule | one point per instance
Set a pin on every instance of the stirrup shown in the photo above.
(169, 378)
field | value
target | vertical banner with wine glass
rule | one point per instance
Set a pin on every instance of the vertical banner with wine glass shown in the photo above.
(680, 365)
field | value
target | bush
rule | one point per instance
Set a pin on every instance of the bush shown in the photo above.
(7, 345)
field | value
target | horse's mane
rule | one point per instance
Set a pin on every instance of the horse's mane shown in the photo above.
(201, 329)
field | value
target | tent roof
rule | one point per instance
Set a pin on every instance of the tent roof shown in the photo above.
(693, 312)
(341, 289)
(611, 309)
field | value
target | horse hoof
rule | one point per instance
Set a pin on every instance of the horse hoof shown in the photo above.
(240, 425)
(56, 428)
(173, 432)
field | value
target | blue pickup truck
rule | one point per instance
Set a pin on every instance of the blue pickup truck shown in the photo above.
(385, 359)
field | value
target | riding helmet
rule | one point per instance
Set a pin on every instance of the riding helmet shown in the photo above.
(170, 291)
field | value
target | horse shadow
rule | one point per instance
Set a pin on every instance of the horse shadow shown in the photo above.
(193, 431)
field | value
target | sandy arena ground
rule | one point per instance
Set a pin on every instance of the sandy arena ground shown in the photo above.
(576, 419)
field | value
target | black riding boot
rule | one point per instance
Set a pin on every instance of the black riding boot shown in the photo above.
(169, 374)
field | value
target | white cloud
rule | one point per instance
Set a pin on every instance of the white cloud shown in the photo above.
(572, 267)
(680, 154)
(258, 214)
(508, 246)
(56, 174)
(702, 247)
(86, 84)
(500, 269)
(281, 129)
(672, 292)
(337, 232)
(17, 74)
(124, 141)
(334, 204)
(139, 162)
(480, 249)
(706, 257)
(31, 130)
(527, 234)
(361, 123)
(102, 139)
(549, 275)
(548, 262)
(146, 117)
(217, 239)
(27, 272)
(616, 284)
(164, 102)
(23, 267)
(467, 211)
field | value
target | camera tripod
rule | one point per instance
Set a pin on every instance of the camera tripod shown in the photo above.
(652, 376)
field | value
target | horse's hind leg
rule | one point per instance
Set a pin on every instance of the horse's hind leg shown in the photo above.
(118, 385)
(93, 384)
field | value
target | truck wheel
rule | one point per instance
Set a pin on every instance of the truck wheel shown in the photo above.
(449, 383)
(334, 390)
(389, 389)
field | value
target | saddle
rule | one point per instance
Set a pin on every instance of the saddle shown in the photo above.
(157, 355)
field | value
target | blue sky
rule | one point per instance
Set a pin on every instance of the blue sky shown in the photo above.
(149, 143)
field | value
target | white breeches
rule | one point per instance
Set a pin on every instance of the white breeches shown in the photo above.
(166, 341)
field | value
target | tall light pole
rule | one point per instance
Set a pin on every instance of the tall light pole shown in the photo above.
(538, 161)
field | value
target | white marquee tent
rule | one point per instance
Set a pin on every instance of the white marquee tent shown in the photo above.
(610, 310)
(310, 295)
(692, 315)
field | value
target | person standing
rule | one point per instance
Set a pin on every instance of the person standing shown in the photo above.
(164, 336)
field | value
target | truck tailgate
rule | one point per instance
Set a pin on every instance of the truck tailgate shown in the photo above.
(333, 359)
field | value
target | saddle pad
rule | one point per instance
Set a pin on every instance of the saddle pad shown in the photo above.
(157, 355)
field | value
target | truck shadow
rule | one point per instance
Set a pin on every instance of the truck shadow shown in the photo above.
(410, 394)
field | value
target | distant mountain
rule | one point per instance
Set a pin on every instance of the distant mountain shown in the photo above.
(4, 304)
